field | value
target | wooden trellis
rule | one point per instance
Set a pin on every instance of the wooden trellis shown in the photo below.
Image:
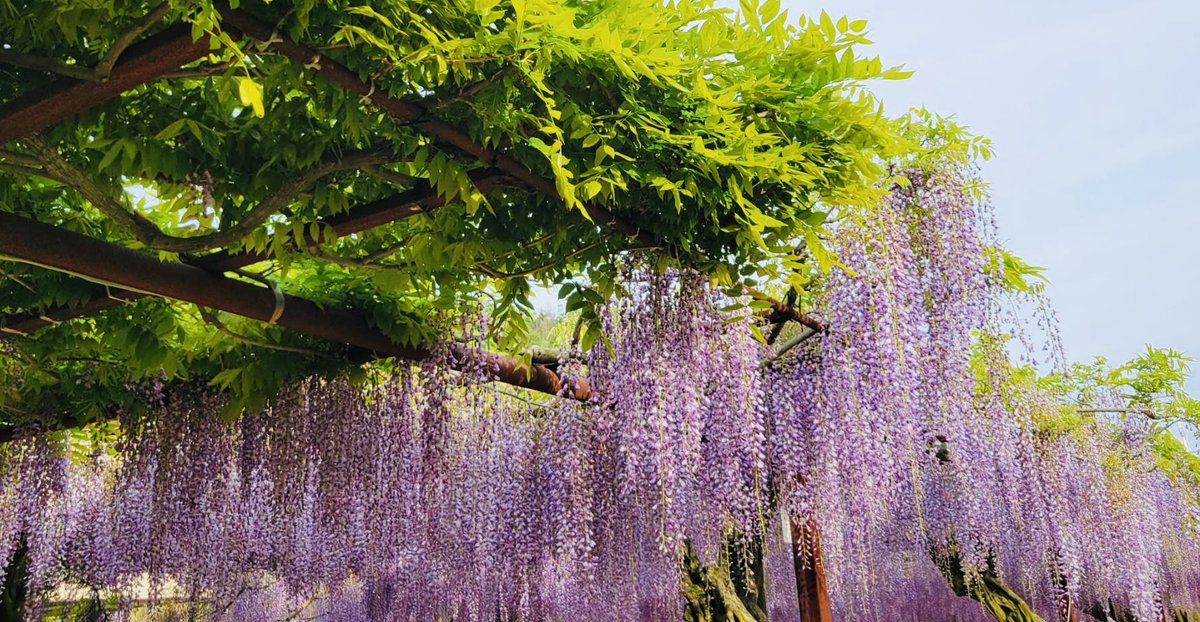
(168, 50)
(125, 275)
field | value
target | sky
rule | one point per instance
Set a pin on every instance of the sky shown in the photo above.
(1094, 110)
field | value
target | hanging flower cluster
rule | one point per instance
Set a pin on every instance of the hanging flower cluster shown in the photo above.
(903, 433)
(909, 437)
(426, 495)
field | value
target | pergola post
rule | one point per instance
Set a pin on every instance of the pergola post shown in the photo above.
(811, 589)
(1066, 608)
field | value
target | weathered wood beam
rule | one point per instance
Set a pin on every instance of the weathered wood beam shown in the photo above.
(780, 312)
(142, 62)
(43, 245)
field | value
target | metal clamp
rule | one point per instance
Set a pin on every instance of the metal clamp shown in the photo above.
(279, 303)
(280, 299)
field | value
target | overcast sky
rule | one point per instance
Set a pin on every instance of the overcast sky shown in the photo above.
(1094, 109)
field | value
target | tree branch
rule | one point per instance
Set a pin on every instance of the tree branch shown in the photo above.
(49, 65)
(804, 335)
(18, 280)
(354, 262)
(105, 66)
(1145, 412)
(470, 90)
(19, 158)
(103, 69)
(490, 271)
(211, 318)
(781, 312)
(146, 232)
(392, 177)
(21, 169)
(387, 251)
(200, 71)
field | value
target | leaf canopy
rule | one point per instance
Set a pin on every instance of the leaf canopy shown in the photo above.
(723, 138)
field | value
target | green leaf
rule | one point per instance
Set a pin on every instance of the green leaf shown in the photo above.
(224, 378)
(750, 13)
(897, 73)
(113, 151)
(768, 10)
(172, 130)
(251, 95)
(756, 333)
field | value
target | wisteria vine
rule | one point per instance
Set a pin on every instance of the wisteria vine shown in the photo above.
(903, 432)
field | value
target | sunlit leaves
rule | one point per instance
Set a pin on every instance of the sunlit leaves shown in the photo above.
(251, 95)
(724, 138)
(1014, 273)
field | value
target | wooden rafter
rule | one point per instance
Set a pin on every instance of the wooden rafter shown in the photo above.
(36, 243)
(142, 62)
(361, 218)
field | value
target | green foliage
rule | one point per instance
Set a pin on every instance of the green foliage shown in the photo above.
(729, 138)
(1014, 273)
(1151, 384)
(942, 137)
(1078, 403)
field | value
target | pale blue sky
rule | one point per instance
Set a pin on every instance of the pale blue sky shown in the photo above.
(1094, 108)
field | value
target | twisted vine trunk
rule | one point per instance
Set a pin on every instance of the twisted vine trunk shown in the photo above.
(731, 590)
(998, 600)
(12, 591)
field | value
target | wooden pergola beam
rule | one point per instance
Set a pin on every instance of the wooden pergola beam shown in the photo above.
(142, 62)
(43, 245)
(360, 218)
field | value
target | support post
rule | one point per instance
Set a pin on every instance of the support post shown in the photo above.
(1066, 608)
(811, 588)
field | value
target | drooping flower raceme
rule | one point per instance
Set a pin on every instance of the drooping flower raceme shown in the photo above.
(902, 432)
(913, 442)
